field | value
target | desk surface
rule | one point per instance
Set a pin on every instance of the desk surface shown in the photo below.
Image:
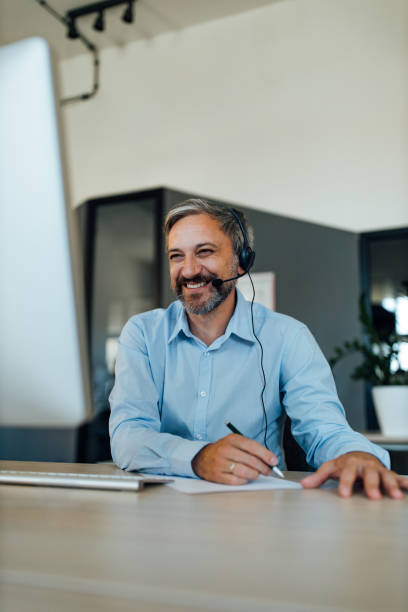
(392, 443)
(161, 551)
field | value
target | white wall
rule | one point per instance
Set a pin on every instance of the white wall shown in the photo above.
(299, 108)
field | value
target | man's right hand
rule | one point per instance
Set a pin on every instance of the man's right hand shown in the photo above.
(233, 460)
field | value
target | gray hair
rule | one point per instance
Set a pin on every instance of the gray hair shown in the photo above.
(222, 214)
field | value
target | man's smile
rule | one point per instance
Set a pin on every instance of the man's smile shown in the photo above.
(196, 285)
(190, 286)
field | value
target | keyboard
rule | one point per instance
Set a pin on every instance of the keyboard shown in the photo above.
(111, 482)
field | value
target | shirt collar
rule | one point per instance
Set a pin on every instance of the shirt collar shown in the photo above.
(181, 323)
(239, 324)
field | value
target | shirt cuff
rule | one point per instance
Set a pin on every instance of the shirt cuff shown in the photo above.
(180, 460)
(380, 453)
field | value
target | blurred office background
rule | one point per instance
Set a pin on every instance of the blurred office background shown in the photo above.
(293, 110)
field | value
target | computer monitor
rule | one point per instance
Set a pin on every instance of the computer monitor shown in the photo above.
(44, 374)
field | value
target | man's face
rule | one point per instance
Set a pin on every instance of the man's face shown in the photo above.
(199, 251)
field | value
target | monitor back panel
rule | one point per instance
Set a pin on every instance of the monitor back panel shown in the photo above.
(43, 363)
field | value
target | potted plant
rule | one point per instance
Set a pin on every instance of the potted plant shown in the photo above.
(382, 369)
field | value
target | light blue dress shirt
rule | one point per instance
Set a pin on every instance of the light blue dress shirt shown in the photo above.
(173, 393)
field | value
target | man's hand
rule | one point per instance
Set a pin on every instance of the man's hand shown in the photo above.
(233, 460)
(350, 467)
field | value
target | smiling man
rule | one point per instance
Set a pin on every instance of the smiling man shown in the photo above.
(182, 372)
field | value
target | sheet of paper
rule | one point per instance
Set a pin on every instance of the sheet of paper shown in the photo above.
(194, 485)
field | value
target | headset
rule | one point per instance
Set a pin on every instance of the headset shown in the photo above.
(246, 255)
(246, 258)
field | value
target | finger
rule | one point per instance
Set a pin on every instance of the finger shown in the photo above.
(231, 479)
(348, 477)
(246, 473)
(390, 482)
(320, 476)
(403, 482)
(251, 461)
(253, 447)
(371, 480)
(241, 471)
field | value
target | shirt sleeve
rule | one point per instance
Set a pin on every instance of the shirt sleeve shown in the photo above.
(310, 399)
(134, 426)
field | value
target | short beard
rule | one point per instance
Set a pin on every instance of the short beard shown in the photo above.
(218, 296)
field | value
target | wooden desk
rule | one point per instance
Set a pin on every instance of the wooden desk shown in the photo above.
(163, 551)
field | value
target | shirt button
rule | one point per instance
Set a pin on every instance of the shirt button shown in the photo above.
(206, 354)
(203, 394)
(198, 436)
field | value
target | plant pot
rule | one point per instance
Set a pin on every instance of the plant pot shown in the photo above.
(391, 406)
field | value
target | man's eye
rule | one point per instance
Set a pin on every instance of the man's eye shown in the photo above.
(205, 252)
(175, 257)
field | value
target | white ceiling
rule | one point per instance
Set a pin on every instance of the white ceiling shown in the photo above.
(22, 18)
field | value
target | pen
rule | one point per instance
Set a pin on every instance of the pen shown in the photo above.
(236, 431)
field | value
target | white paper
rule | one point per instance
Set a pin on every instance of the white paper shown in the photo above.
(262, 483)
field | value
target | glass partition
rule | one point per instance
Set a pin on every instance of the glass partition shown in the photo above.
(122, 276)
(384, 257)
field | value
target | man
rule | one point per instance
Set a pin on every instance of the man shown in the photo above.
(182, 372)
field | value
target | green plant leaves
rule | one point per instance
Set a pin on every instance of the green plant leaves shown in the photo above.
(379, 355)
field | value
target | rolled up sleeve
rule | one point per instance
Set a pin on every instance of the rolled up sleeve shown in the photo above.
(310, 399)
(136, 440)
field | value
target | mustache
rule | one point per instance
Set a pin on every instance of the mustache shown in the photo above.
(199, 278)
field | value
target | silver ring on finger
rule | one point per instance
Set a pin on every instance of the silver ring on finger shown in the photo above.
(231, 468)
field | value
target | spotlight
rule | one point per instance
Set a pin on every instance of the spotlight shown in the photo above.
(72, 31)
(127, 16)
(99, 23)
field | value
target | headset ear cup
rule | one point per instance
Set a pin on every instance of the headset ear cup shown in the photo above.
(246, 258)
(247, 255)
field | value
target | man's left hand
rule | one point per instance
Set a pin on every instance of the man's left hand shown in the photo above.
(354, 466)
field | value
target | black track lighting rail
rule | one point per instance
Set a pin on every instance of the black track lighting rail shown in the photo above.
(69, 21)
(99, 8)
(95, 7)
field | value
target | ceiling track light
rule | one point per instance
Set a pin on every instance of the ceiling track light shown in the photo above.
(99, 8)
(128, 15)
(72, 32)
(99, 23)
(69, 20)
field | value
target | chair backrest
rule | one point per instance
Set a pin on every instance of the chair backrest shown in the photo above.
(295, 456)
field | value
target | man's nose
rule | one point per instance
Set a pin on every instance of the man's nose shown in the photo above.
(191, 267)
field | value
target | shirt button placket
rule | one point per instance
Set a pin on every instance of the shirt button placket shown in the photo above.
(204, 377)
